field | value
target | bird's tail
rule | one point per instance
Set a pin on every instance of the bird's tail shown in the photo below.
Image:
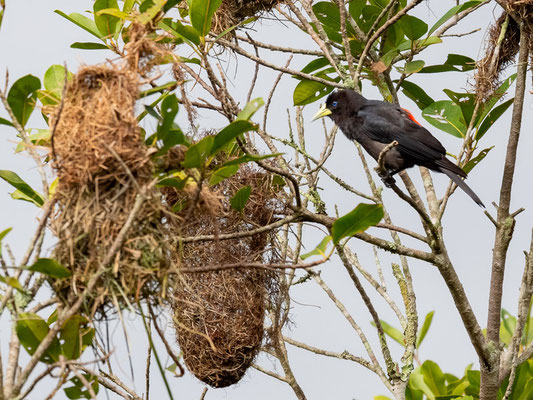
(461, 183)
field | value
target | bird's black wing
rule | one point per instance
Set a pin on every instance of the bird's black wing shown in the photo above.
(385, 123)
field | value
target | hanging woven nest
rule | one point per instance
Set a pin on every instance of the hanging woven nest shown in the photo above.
(219, 314)
(103, 166)
(233, 12)
(502, 45)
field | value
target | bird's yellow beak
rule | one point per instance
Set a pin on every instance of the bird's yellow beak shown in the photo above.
(322, 112)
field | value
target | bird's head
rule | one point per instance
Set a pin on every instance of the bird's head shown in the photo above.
(340, 102)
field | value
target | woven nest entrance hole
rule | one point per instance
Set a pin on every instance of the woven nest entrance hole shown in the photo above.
(219, 314)
(102, 164)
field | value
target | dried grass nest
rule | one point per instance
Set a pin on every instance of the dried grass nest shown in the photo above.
(219, 315)
(233, 12)
(502, 45)
(102, 164)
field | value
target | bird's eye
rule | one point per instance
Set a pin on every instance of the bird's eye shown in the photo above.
(334, 104)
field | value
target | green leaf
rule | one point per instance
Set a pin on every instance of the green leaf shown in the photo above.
(181, 31)
(421, 43)
(393, 332)
(12, 281)
(476, 160)
(75, 336)
(82, 21)
(177, 180)
(79, 391)
(113, 12)
(250, 109)
(89, 46)
(201, 13)
(413, 394)
(459, 387)
(149, 10)
(425, 327)
(417, 94)
(526, 392)
(223, 173)
(106, 24)
(2, 9)
(197, 154)
(18, 195)
(14, 180)
(316, 64)
(239, 200)
(319, 250)
(2, 236)
(433, 377)
(414, 66)
(413, 27)
(451, 12)
(4, 121)
(307, 92)
(50, 267)
(454, 62)
(492, 117)
(359, 219)
(128, 5)
(22, 97)
(169, 110)
(381, 398)
(169, 4)
(31, 330)
(497, 95)
(474, 378)
(418, 383)
(467, 103)
(328, 14)
(40, 138)
(229, 133)
(355, 7)
(158, 89)
(54, 79)
(188, 32)
(447, 116)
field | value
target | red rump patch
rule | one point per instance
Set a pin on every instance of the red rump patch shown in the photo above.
(411, 116)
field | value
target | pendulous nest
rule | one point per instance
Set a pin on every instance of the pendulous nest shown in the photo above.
(104, 183)
(233, 12)
(502, 46)
(219, 314)
(97, 134)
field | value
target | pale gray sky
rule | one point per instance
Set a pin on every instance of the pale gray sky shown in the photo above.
(32, 38)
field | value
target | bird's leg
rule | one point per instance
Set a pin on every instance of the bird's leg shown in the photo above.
(384, 173)
(386, 177)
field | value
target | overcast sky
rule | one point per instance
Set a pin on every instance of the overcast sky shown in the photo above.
(33, 37)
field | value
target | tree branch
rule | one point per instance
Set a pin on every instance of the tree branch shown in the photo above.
(504, 232)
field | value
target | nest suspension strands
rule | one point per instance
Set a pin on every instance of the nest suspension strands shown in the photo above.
(102, 165)
(219, 315)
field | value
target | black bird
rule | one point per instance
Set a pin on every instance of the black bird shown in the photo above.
(375, 124)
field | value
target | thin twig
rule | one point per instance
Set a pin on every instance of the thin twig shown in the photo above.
(391, 366)
(345, 355)
(378, 33)
(289, 71)
(26, 139)
(273, 267)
